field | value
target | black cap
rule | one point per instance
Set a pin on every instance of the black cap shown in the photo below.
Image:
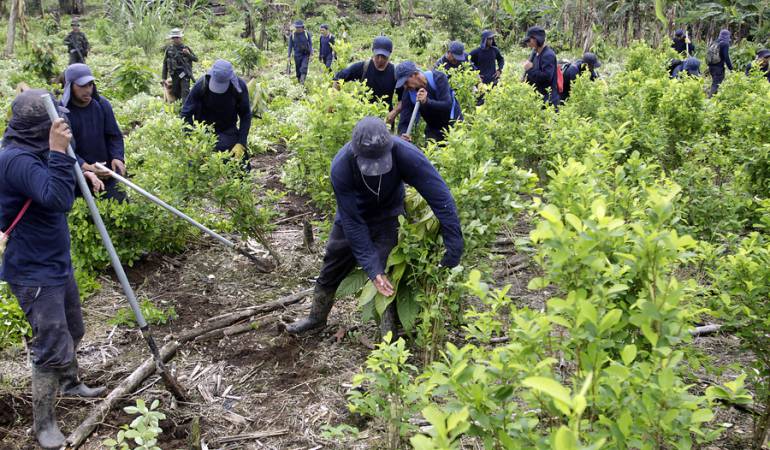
(535, 32)
(371, 144)
(764, 53)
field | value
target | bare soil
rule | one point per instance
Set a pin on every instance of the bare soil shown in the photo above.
(272, 390)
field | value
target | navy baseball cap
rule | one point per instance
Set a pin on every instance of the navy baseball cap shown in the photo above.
(457, 49)
(679, 33)
(382, 45)
(404, 71)
(592, 60)
(764, 53)
(299, 24)
(371, 145)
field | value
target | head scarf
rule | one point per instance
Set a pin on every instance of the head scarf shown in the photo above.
(30, 125)
(724, 36)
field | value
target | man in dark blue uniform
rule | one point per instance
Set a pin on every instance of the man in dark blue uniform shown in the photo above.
(96, 135)
(221, 98)
(438, 106)
(301, 44)
(540, 69)
(454, 58)
(488, 59)
(378, 73)
(368, 176)
(588, 63)
(36, 171)
(762, 63)
(325, 47)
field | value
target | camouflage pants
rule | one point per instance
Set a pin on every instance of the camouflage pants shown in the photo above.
(75, 58)
(180, 87)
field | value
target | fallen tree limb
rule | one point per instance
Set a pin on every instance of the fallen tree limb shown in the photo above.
(250, 436)
(148, 367)
(100, 411)
(705, 330)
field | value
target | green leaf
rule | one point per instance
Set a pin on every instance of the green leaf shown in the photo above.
(610, 320)
(537, 283)
(352, 284)
(628, 354)
(551, 213)
(551, 387)
(408, 309)
(702, 415)
(649, 334)
(564, 439)
(368, 294)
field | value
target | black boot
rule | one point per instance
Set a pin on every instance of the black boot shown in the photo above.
(322, 304)
(389, 321)
(44, 386)
(73, 387)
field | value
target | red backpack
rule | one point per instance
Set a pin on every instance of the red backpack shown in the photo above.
(559, 79)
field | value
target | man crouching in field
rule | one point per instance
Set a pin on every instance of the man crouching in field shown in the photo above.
(368, 176)
(37, 189)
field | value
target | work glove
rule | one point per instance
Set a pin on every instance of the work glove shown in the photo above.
(239, 151)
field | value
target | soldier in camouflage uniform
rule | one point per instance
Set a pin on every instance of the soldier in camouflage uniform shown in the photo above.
(77, 44)
(177, 64)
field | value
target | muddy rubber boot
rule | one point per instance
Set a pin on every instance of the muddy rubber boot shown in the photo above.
(302, 78)
(45, 383)
(72, 386)
(389, 322)
(319, 312)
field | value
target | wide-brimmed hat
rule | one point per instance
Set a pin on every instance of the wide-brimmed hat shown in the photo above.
(371, 145)
(534, 32)
(175, 33)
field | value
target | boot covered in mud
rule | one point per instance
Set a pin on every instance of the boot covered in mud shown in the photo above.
(72, 386)
(319, 312)
(45, 383)
(389, 321)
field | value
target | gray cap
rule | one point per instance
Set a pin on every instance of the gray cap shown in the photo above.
(222, 75)
(592, 60)
(371, 144)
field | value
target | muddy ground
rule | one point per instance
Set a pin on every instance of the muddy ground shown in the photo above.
(260, 389)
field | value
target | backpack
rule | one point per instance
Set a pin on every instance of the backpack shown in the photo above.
(559, 79)
(432, 83)
(305, 48)
(712, 54)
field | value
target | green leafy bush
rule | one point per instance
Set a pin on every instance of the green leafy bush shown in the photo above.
(41, 60)
(131, 79)
(143, 432)
(152, 314)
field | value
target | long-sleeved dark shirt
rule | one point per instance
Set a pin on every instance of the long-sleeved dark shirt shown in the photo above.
(437, 111)
(765, 70)
(38, 251)
(96, 134)
(542, 75)
(382, 83)
(571, 73)
(301, 43)
(444, 65)
(681, 47)
(724, 55)
(488, 61)
(325, 46)
(223, 111)
(357, 206)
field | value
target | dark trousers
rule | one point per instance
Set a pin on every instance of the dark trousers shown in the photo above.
(111, 190)
(76, 59)
(180, 87)
(717, 72)
(339, 260)
(300, 66)
(54, 314)
(328, 60)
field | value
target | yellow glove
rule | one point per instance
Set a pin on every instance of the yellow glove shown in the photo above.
(238, 151)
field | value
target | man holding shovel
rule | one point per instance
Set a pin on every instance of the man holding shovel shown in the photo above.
(96, 135)
(368, 176)
(437, 103)
(37, 189)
